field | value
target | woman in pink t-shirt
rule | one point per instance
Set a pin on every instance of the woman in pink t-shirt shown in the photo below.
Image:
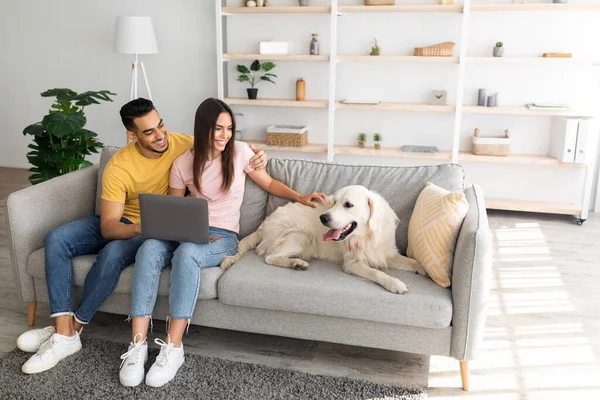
(215, 169)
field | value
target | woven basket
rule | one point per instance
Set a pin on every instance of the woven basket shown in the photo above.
(380, 2)
(287, 139)
(287, 135)
(437, 50)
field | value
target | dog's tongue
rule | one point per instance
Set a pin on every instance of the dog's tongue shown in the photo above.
(332, 234)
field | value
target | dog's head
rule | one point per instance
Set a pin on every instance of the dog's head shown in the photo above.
(356, 211)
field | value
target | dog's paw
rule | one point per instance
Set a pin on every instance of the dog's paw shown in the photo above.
(227, 262)
(300, 265)
(396, 286)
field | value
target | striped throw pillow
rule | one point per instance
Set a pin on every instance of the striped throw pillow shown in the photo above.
(433, 230)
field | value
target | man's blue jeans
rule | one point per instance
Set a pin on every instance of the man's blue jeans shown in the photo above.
(79, 238)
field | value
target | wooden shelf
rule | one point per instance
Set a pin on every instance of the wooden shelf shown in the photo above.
(401, 8)
(528, 159)
(309, 148)
(276, 102)
(521, 110)
(536, 7)
(397, 107)
(407, 59)
(492, 203)
(389, 152)
(276, 10)
(275, 57)
(531, 60)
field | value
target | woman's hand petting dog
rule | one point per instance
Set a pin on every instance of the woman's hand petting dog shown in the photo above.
(307, 199)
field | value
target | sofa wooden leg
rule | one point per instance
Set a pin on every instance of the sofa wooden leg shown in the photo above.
(464, 374)
(31, 312)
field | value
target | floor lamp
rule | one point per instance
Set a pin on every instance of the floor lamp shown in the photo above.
(135, 35)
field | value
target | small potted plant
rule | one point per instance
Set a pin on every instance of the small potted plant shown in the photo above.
(499, 49)
(377, 141)
(375, 49)
(258, 72)
(362, 138)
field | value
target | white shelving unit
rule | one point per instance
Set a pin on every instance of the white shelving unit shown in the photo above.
(458, 109)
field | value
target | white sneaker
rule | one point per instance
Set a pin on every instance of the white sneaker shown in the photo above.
(31, 340)
(132, 366)
(51, 352)
(166, 365)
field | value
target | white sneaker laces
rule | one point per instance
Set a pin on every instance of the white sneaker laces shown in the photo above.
(134, 352)
(165, 350)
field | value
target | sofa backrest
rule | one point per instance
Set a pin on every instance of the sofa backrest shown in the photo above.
(399, 185)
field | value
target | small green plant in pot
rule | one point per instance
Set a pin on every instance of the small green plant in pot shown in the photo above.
(257, 73)
(499, 49)
(375, 49)
(60, 142)
(362, 138)
(377, 141)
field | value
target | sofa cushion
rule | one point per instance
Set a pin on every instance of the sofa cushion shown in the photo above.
(400, 186)
(324, 289)
(433, 229)
(253, 208)
(82, 264)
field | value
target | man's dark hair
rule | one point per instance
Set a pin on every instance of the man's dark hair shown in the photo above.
(135, 109)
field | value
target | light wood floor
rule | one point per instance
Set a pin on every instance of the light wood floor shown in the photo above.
(543, 330)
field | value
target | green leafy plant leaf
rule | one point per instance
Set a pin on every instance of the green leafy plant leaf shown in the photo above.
(62, 125)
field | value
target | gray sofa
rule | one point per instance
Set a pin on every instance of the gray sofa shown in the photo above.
(322, 303)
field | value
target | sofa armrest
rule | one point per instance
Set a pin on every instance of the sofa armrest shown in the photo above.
(471, 278)
(36, 210)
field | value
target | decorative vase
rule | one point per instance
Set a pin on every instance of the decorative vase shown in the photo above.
(377, 146)
(300, 89)
(303, 3)
(482, 99)
(559, 1)
(252, 93)
(361, 144)
(498, 51)
(260, 3)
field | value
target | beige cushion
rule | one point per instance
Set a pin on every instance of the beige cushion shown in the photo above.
(433, 229)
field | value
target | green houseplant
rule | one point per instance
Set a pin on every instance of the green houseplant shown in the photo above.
(377, 141)
(258, 72)
(362, 138)
(499, 49)
(60, 142)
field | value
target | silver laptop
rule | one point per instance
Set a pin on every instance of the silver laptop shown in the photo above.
(174, 218)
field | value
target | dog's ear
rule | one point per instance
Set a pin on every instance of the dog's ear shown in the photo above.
(377, 212)
(328, 201)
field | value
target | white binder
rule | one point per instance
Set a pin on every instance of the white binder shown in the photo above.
(563, 140)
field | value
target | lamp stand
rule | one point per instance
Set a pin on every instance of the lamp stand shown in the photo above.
(133, 93)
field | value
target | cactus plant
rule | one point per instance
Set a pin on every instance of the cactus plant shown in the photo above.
(499, 49)
(499, 44)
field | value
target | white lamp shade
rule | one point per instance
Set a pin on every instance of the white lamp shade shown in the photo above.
(135, 35)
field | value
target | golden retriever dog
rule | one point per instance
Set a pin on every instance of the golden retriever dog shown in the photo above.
(355, 227)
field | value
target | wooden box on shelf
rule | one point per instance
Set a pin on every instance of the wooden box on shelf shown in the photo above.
(436, 50)
(380, 2)
(491, 146)
(287, 135)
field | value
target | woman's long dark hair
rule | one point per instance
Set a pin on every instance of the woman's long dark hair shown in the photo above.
(205, 123)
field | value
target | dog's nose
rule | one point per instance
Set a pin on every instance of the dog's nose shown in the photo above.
(325, 218)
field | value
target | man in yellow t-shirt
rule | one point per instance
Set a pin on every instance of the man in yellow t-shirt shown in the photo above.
(142, 166)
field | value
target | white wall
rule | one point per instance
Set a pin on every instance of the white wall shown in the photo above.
(68, 43)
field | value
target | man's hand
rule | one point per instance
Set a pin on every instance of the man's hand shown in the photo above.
(306, 199)
(259, 161)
